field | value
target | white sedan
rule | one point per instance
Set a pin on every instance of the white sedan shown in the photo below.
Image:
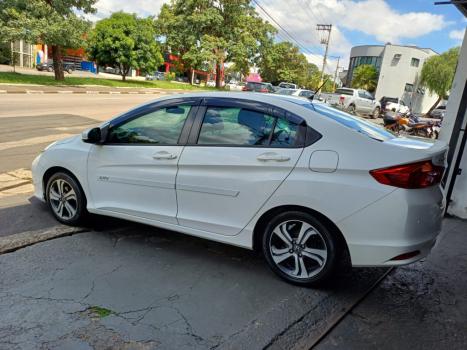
(304, 183)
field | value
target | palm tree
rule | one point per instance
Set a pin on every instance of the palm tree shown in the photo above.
(365, 77)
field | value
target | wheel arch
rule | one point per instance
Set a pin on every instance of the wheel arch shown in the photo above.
(55, 169)
(269, 214)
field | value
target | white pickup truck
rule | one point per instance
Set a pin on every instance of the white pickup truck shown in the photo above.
(355, 101)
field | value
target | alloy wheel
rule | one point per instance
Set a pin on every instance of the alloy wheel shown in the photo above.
(298, 249)
(63, 199)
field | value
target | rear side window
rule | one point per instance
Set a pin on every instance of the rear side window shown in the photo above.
(161, 127)
(243, 127)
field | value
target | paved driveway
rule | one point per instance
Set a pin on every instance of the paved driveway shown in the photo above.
(136, 287)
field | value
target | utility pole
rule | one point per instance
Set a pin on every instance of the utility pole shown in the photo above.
(325, 31)
(335, 74)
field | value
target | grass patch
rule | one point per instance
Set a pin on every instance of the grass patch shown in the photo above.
(18, 78)
(100, 311)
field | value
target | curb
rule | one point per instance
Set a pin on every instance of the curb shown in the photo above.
(17, 241)
(68, 92)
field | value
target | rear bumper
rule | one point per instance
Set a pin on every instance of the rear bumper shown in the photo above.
(405, 221)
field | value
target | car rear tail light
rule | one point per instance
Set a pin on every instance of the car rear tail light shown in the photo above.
(341, 99)
(244, 88)
(263, 90)
(410, 176)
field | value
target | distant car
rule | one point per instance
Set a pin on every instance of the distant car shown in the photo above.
(235, 86)
(355, 101)
(49, 67)
(258, 87)
(211, 83)
(396, 105)
(284, 85)
(155, 76)
(285, 91)
(438, 112)
(295, 92)
(111, 70)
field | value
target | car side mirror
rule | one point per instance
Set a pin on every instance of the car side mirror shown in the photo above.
(93, 136)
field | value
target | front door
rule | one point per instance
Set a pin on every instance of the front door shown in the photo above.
(133, 173)
(236, 158)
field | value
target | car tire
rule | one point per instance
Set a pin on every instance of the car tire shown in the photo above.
(351, 109)
(66, 199)
(49, 69)
(300, 248)
(376, 113)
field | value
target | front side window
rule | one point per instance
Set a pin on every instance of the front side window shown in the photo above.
(161, 127)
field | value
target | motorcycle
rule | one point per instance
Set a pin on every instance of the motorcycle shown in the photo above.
(410, 124)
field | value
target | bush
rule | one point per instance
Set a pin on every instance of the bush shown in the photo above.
(169, 76)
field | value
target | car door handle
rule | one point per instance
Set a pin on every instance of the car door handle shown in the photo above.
(164, 155)
(272, 156)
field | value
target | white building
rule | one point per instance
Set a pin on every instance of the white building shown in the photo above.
(399, 68)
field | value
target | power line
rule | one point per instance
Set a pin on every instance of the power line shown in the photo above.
(284, 30)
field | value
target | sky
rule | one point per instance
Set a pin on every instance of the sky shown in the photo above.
(354, 22)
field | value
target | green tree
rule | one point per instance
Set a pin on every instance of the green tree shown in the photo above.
(365, 77)
(5, 53)
(438, 74)
(52, 22)
(125, 41)
(207, 33)
(283, 61)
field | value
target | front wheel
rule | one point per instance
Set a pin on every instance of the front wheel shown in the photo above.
(65, 198)
(300, 248)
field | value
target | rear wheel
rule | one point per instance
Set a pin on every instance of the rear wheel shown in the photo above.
(376, 113)
(65, 198)
(351, 109)
(299, 248)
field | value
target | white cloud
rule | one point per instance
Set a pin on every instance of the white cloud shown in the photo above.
(142, 8)
(457, 34)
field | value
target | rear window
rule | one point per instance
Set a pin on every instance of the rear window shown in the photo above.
(344, 92)
(363, 127)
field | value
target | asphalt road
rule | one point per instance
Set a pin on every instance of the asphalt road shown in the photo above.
(28, 123)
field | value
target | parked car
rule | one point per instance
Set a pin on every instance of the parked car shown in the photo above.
(258, 87)
(394, 104)
(285, 85)
(303, 182)
(235, 86)
(355, 101)
(49, 67)
(155, 76)
(285, 91)
(438, 112)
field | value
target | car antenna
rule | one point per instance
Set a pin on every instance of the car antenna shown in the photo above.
(313, 96)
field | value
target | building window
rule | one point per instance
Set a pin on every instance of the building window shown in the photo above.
(415, 62)
(408, 87)
(396, 59)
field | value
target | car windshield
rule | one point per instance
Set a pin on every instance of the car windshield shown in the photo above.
(363, 127)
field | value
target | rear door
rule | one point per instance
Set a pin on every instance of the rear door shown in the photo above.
(238, 153)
